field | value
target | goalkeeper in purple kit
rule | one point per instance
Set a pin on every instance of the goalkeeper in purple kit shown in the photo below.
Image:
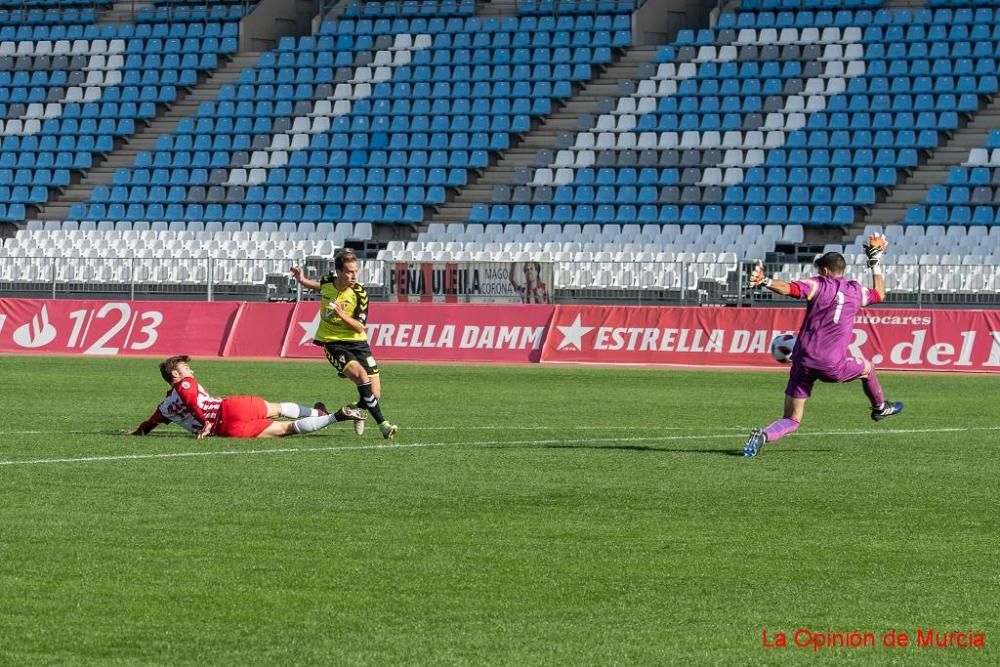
(821, 351)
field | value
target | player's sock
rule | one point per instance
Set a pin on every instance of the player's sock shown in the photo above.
(310, 424)
(369, 402)
(297, 410)
(779, 429)
(873, 390)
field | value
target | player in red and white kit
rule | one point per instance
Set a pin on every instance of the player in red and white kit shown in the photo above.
(191, 407)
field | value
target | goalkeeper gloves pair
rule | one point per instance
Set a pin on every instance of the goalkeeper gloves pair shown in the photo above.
(874, 248)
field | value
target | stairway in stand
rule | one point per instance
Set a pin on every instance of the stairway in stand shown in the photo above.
(144, 139)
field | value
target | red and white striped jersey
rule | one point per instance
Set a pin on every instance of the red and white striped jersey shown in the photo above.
(188, 405)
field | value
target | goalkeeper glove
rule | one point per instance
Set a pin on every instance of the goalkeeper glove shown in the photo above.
(875, 246)
(757, 277)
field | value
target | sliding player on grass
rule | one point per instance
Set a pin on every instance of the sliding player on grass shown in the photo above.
(188, 405)
(821, 351)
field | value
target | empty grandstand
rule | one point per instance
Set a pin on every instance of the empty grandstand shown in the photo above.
(647, 151)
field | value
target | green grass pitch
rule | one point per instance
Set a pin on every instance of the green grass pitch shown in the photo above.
(524, 516)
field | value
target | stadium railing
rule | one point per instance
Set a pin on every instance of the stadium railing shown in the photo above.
(639, 283)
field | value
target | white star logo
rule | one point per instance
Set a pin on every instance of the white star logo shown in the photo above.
(573, 335)
(309, 329)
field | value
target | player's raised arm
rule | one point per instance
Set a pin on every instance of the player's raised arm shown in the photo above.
(299, 274)
(759, 279)
(875, 246)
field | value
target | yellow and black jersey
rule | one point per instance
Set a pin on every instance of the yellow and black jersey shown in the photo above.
(353, 301)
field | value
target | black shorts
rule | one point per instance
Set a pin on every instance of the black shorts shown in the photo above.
(342, 353)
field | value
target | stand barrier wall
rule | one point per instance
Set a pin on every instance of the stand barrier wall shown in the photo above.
(940, 340)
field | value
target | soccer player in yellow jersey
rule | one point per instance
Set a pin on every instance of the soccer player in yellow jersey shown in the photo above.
(343, 333)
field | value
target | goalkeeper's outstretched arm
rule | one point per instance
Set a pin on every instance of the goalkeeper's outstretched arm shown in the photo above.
(875, 247)
(878, 283)
(777, 286)
(758, 279)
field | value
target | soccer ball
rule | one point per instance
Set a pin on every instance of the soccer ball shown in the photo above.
(781, 348)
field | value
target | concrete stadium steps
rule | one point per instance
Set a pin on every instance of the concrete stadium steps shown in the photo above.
(145, 137)
(496, 8)
(952, 152)
(522, 154)
(123, 11)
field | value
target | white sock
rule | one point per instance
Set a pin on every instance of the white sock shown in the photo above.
(296, 410)
(310, 424)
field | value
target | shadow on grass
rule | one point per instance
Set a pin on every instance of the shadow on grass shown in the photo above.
(677, 450)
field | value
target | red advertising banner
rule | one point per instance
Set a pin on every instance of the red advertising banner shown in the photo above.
(111, 328)
(952, 340)
(258, 330)
(436, 331)
(963, 340)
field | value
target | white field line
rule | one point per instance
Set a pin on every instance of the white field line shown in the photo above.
(482, 443)
(495, 427)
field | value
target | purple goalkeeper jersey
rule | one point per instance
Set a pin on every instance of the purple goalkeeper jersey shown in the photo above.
(828, 328)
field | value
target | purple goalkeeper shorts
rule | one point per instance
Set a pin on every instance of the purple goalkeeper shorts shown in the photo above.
(801, 378)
